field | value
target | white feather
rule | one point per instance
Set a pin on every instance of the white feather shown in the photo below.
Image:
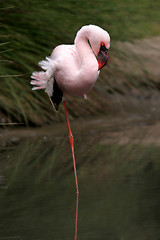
(44, 79)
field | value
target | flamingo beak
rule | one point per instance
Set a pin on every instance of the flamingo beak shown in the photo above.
(102, 56)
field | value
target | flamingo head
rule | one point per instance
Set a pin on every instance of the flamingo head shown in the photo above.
(103, 56)
(99, 40)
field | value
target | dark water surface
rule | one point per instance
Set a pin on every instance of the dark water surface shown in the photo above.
(119, 181)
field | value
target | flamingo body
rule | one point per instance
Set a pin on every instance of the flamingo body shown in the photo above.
(74, 69)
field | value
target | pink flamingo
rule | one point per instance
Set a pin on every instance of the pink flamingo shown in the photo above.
(73, 69)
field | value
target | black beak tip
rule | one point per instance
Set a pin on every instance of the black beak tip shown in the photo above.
(103, 56)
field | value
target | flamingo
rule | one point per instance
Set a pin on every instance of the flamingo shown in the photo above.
(73, 70)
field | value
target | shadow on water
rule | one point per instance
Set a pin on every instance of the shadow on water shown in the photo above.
(119, 189)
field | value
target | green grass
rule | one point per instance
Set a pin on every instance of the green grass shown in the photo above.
(29, 30)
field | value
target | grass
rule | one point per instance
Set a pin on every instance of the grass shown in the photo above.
(31, 29)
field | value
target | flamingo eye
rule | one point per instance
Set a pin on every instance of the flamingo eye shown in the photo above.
(102, 44)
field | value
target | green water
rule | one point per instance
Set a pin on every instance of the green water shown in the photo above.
(119, 188)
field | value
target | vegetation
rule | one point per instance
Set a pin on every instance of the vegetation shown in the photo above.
(31, 29)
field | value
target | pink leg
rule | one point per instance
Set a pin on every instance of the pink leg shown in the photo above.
(71, 139)
(75, 238)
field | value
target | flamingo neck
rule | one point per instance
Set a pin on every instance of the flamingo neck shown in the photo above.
(84, 49)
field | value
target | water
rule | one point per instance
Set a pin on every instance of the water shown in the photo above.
(118, 173)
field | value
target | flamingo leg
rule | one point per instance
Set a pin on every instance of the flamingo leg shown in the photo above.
(71, 139)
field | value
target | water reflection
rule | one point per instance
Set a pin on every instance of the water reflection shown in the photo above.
(119, 190)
